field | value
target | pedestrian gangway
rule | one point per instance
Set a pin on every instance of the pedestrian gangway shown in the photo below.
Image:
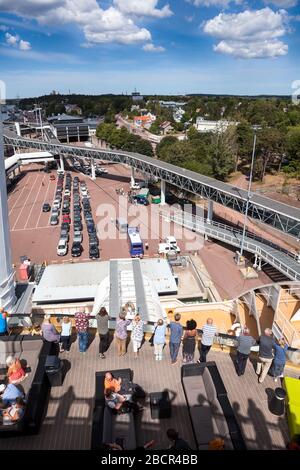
(281, 259)
(281, 216)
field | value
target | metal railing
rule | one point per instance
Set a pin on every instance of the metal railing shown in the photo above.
(280, 259)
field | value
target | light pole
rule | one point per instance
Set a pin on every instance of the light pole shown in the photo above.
(249, 191)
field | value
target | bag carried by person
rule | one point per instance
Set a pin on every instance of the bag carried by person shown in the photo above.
(151, 340)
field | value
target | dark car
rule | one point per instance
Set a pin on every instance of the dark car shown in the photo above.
(76, 249)
(93, 252)
(91, 228)
(46, 207)
(65, 226)
(77, 225)
(65, 210)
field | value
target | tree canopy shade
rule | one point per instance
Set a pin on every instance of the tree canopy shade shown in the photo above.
(122, 139)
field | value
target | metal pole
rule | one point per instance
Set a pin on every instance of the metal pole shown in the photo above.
(41, 122)
(248, 195)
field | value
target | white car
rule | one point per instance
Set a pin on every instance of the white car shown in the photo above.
(67, 192)
(56, 203)
(62, 247)
(84, 192)
(166, 248)
(135, 186)
(104, 170)
(171, 240)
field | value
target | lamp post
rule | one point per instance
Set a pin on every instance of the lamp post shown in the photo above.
(249, 190)
(39, 114)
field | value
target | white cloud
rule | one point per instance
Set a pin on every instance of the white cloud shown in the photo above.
(113, 24)
(282, 3)
(152, 48)
(24, 45)
(11, 40)
(15, 41)
(3, 27)
(190, 18)
(252, 50)
(249, 34)
(214, 3)
(143, 8)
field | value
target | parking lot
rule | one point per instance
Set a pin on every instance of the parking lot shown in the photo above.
(32, 234)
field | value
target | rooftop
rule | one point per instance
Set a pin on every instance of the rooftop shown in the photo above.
(68, 421)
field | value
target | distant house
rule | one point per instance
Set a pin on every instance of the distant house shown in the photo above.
(178, 115)
(73, 108)
(135, 107)
(203, 125)
(166, 127)
(172, 104)
(144, 121)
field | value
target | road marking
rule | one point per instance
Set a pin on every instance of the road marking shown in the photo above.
(25, 202)
(34, 228)
(33, 205)
(25, 187)
(43, 203)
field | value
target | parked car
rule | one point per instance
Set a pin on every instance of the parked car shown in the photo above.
(91, 228)
(54, 219)
(93, 252)
(65, 225)
(62, 247)
(77, 226)
(93, 239)
(66, 210)
(166, 248)
(64, 235)
(77, 236)
(76, 249)
(46, 207)
(52, 177)
(66, 218)
(56, 203)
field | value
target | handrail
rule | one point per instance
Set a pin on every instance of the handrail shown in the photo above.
(278, 259)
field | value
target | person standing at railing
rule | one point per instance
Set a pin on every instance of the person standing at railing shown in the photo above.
(244, 343)
(279, 360)
(265, 354)
(208, 335)
(3, 322)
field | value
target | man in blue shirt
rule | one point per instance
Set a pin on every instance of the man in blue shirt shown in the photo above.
(3, 322)
(176, 331)
(9, 393)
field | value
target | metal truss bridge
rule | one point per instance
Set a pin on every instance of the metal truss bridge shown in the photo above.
(281, 216)
(281, 259)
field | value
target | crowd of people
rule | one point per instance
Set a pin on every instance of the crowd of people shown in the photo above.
(271, 354)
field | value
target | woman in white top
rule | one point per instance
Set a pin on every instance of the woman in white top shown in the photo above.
(65, 336)
(137, 334)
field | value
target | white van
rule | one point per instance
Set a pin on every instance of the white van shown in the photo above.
(122, 225)
(166, 248)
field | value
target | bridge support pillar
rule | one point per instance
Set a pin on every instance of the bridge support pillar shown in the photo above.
(210, 211)
(132, 180)
(62, 167)
(255, 261)
(7, 283)
(93, 172)
(162, 192)
(259, 264)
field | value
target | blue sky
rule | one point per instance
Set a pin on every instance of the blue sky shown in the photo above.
(155, 46)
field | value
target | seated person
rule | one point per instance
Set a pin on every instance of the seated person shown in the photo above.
(111, 382)
(15, 373)
(119, 403)
(14, 413)
(9, 393)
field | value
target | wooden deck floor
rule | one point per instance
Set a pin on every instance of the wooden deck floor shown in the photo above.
(67, 424)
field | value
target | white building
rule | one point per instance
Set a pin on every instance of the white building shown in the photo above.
(213, 126)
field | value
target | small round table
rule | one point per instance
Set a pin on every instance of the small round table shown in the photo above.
(276, 405)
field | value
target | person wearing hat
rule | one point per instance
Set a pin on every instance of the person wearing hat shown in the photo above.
(9, 393)
(3, 322)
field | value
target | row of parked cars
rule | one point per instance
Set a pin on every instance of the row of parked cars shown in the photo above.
(86, 168)
(80, 201)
